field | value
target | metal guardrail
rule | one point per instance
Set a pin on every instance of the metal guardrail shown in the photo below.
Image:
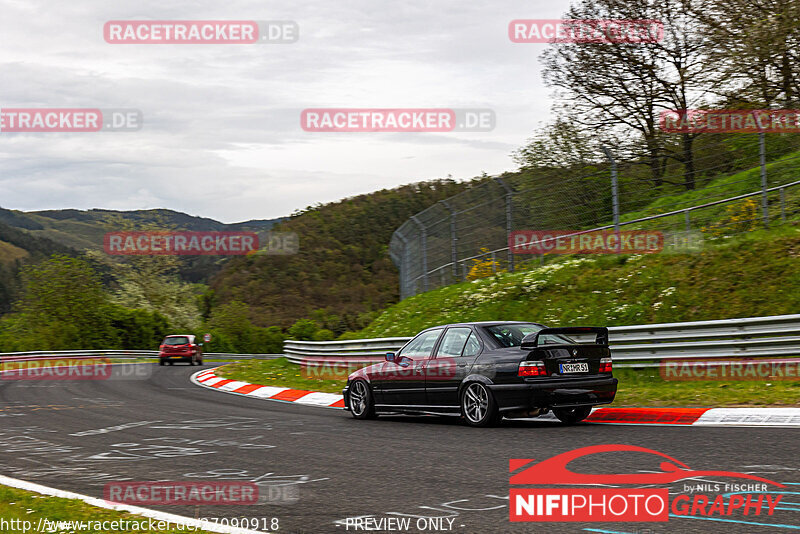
(350, 351)
(753, 337)
(119, 354)
(774, 336)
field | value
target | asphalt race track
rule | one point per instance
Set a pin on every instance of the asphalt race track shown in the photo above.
(319, 466)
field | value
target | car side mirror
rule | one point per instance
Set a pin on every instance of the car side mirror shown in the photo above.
(390, 356)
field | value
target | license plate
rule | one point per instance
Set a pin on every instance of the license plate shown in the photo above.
(574, 367)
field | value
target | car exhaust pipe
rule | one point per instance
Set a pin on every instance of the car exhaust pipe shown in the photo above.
(525, 413)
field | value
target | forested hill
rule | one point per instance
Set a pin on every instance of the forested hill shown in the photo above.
(83, 230)
(342, 272)
(16, 248)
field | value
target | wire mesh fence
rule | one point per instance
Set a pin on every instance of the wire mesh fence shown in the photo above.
(731, 184)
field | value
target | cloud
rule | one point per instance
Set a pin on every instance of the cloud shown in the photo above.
(222, 136)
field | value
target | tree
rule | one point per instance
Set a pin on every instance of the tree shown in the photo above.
(303, 330)
(620, 88)
(562, 144)
(755, 48)
(151, 282)
(63, 306)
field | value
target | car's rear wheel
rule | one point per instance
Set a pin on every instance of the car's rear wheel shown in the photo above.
(478, 406)
(572, 415)
(160, 362)
(362, 404)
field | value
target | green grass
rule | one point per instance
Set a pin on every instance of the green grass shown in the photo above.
(16, 504)
(647, 388)
(282, 373)
(779, 171)
(752, 274)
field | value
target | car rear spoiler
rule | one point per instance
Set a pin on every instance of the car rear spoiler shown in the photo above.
(531, 341)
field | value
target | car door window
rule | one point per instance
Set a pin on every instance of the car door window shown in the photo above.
(472, 346)
(453, 342)
(421, 346)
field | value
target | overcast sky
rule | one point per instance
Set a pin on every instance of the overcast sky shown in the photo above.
(222, 135)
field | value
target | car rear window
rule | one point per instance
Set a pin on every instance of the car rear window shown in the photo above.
(511, 335)
(176, 340)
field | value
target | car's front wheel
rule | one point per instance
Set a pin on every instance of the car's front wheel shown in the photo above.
(478, 406)
(573, 415)
(362, 404)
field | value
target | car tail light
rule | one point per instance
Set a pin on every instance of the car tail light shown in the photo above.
(531, 369)
(605, 365)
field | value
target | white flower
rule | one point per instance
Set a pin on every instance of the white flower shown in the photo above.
(667, 292)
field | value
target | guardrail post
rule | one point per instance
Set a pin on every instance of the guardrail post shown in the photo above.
(509, 220)
(783, 204)
(424, 231)
(614, 189)
(453, 239)
(403, 267)
(763, 157)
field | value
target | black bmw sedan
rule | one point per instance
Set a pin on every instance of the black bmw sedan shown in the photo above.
(489, 370)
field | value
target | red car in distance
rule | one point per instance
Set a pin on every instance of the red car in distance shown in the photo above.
(180, 348)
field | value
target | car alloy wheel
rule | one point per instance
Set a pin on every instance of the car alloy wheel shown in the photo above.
(361, 404)
(478, 406)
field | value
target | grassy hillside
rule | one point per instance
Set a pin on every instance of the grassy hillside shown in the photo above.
(84, 230)
(17, 247)
(342, 272)
(753, 274)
